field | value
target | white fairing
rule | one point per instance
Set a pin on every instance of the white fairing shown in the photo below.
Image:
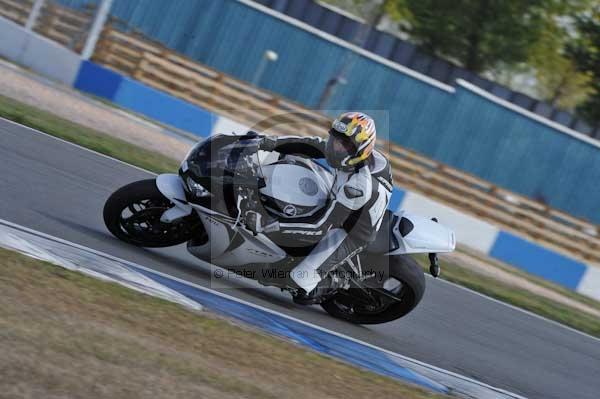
(426, 236)
(295, 184)
(171, 186)
(254, 249)
(218, 239)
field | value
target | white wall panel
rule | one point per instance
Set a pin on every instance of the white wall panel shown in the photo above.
(41, 55)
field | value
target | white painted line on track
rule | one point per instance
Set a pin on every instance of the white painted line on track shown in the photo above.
(554, 323)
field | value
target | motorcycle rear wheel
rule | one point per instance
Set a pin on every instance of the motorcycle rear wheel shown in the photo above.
(350, 305)
(132, 214)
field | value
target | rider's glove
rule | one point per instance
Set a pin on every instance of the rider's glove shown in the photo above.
(267, 143)
(253, 222)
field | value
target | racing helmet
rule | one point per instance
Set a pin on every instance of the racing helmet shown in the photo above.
(351, 140)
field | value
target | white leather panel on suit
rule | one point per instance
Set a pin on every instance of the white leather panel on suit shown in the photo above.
(359, 182)
(306, 274)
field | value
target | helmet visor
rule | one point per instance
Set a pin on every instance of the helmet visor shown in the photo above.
(339, 147)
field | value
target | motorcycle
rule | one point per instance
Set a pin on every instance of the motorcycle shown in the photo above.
(234, 206)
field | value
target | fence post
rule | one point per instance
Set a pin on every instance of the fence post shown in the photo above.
(34, 14)
(99, 21)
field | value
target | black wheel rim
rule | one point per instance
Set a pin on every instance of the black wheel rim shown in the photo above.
(369, 301)
(140, 220)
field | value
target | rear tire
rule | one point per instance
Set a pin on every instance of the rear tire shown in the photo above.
(143, 228)
(403, 269)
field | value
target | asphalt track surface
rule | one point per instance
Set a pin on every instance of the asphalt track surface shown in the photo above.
(59, 189)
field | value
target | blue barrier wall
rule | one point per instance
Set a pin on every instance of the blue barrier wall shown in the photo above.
(97, 80)
(537, 260)
(144, 100)
(163, 107)
(461, 129)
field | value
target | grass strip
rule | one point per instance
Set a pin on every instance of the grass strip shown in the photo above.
(85, 137)
(64, 334)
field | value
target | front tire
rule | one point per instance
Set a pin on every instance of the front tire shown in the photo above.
(132, 214)
(402, 269)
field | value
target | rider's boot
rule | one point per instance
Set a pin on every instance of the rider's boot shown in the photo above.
(317, 295)
(314, 271)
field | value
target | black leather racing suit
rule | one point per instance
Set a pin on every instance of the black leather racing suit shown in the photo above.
(351, 222)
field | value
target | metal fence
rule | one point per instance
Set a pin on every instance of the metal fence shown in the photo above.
(405, 53)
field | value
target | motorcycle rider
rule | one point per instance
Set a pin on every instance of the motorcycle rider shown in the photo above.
(361, 191)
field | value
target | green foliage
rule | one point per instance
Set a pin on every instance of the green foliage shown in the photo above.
(561, 84)
(511, 40)
(558, 80)
(371, 11)
(479, 34)
(585, 53)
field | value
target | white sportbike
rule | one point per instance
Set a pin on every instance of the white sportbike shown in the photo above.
(233, 205)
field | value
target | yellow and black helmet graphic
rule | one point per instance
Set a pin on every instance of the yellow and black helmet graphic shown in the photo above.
(351, 140)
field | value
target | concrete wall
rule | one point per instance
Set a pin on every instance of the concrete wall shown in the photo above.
(38, 53)
(12, 39)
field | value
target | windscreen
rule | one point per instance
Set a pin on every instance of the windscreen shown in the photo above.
(220, 156)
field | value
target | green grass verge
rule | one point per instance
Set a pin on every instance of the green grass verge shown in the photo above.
(63, 334)
(489, 286)
(130, 153)
(89, 138)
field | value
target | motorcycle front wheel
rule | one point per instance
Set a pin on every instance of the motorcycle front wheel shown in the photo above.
(386, 297)
(132, 214)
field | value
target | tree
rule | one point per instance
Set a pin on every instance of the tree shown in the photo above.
(558, 79)
(585, 53)
(371, 11)
(519, 41)
(561, 84)
(479, 34)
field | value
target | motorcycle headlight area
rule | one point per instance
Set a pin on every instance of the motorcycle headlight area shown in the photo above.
(196, 188)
